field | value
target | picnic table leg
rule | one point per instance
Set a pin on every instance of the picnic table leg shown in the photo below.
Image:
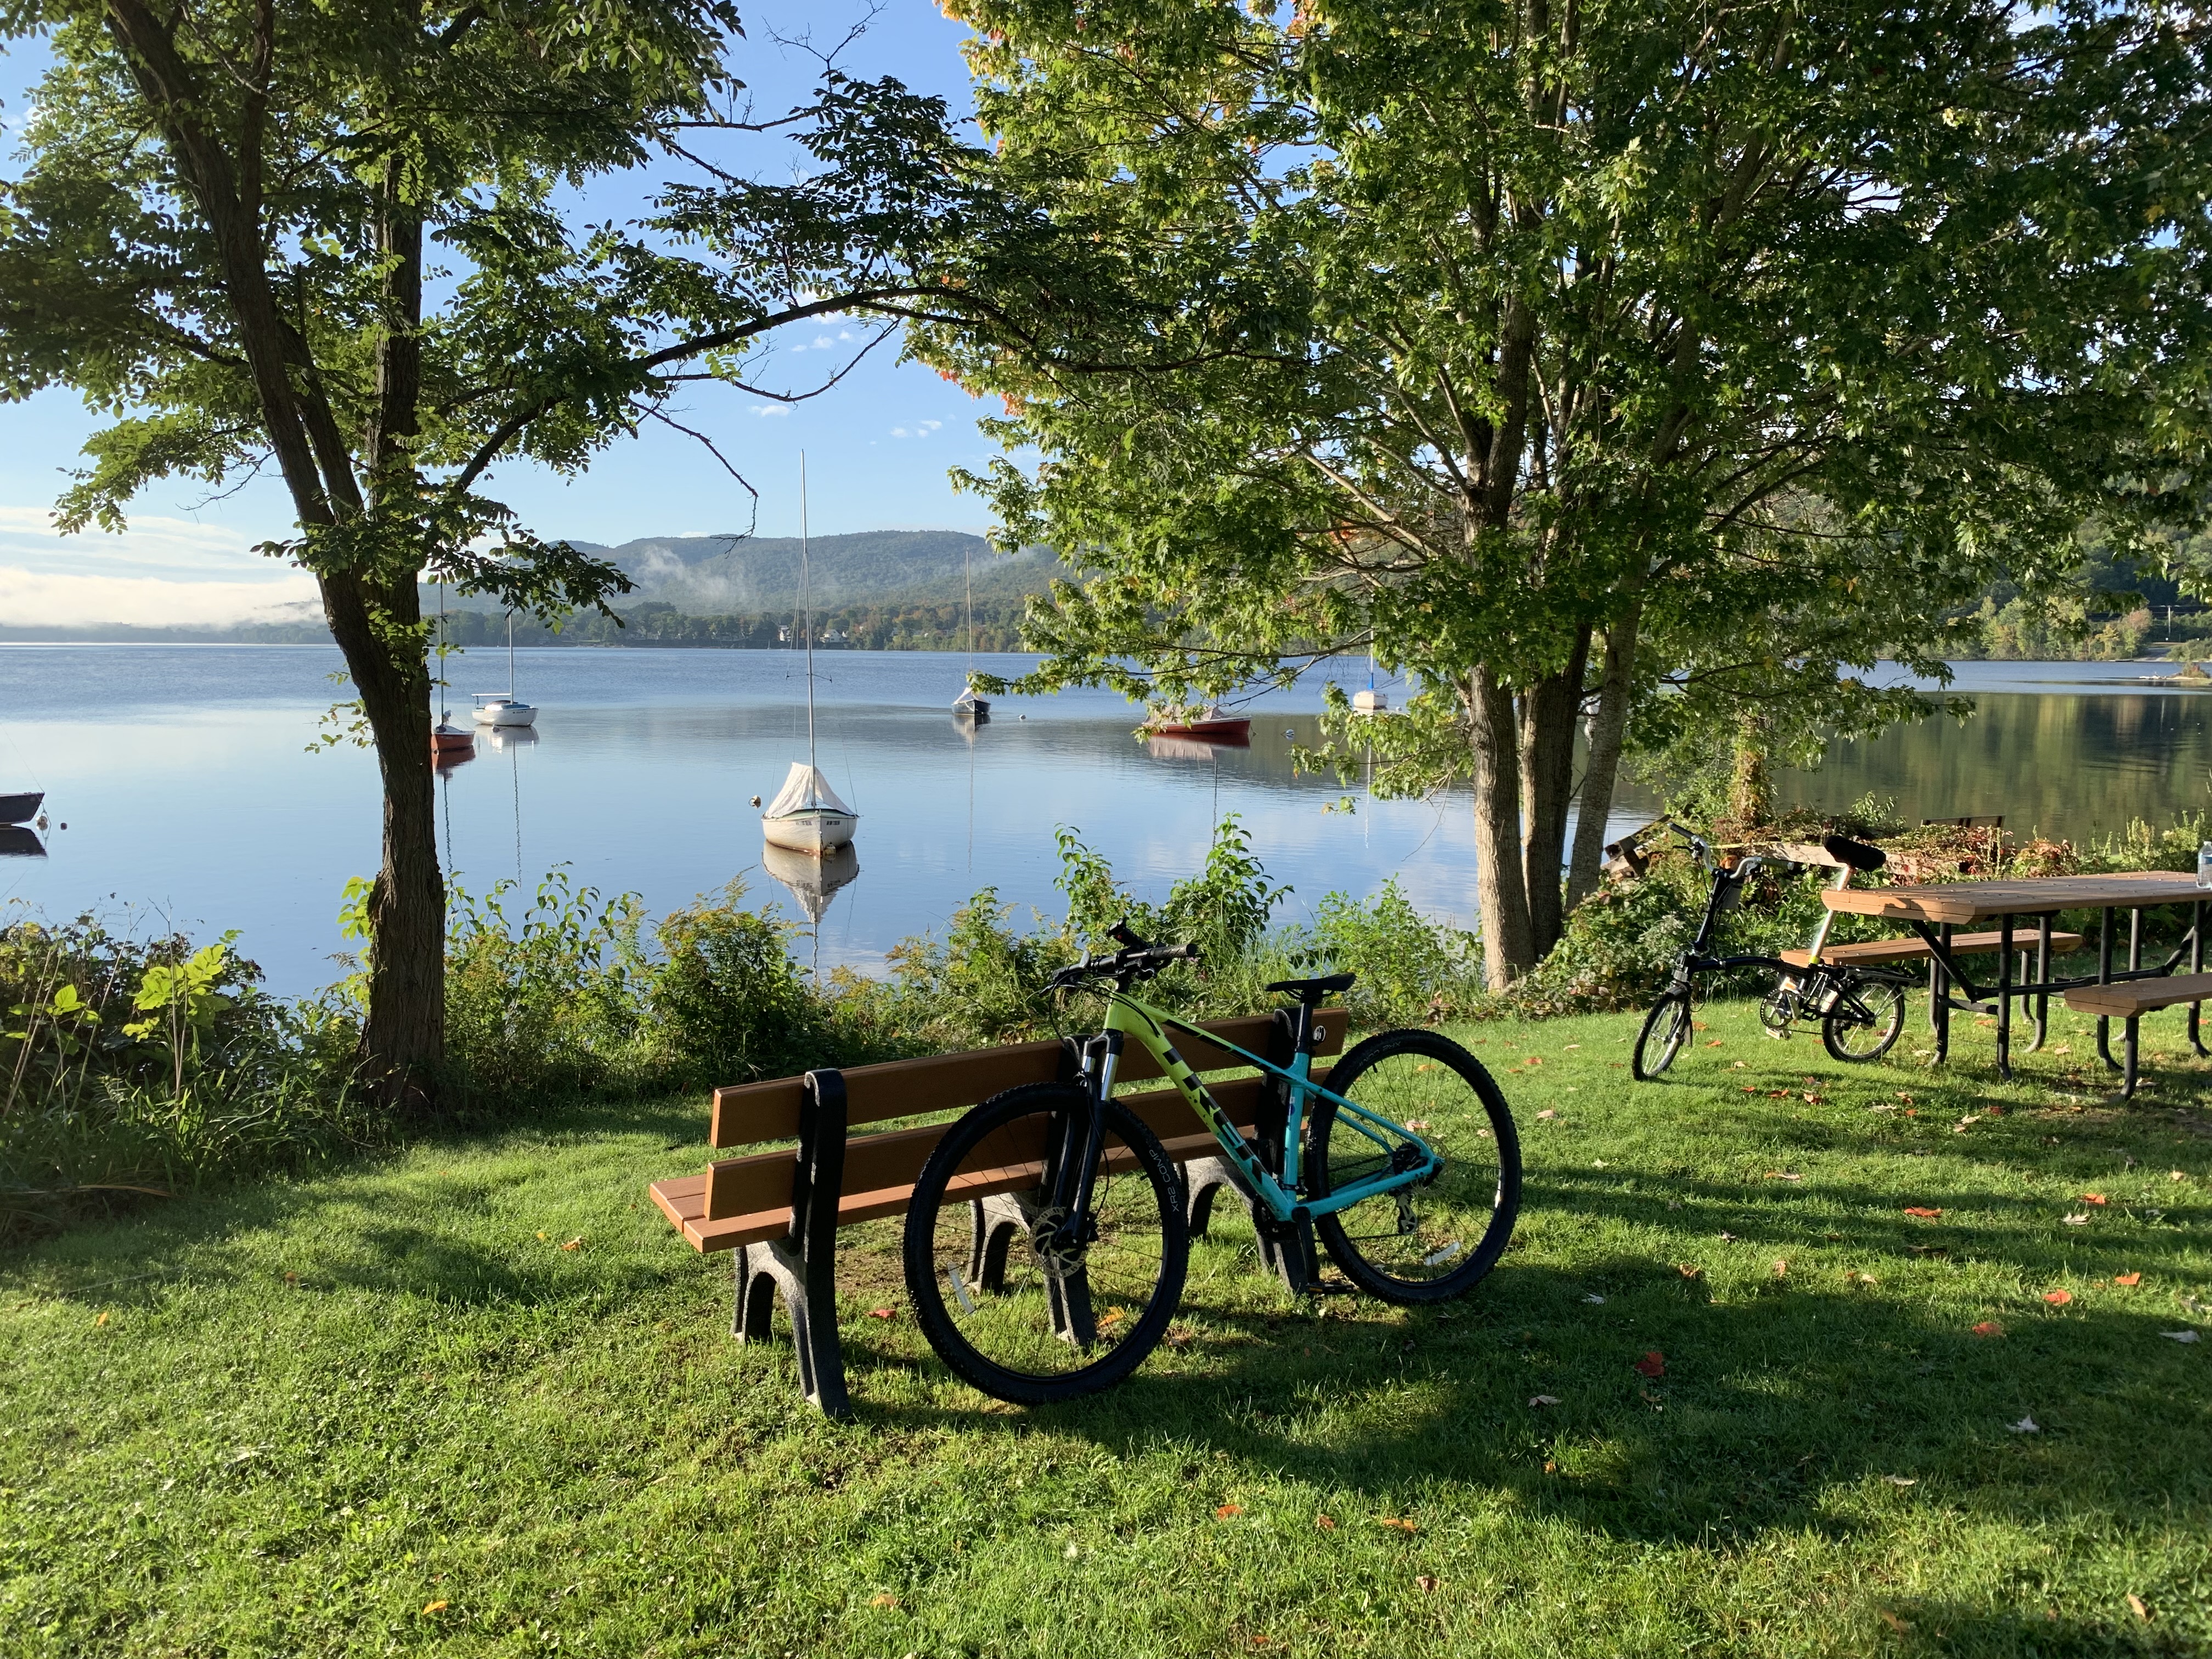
(2004, 998)
(1940, 1002)
(2042, 977)
(2196, 966)
(2105, 977)
(2128, 1046)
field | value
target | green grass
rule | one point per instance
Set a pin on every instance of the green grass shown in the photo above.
(385, 1409)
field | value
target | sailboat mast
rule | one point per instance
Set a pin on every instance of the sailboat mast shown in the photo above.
(441, 675)
(968, 579)
(806, 615)
(510, 656)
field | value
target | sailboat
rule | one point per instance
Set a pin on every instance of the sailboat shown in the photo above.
(497, 708)
(1369, 702)
(806, 815)
(969, 705)
(448, 740)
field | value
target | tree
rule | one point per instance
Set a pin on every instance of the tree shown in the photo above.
(1551, 351)
(334, 240)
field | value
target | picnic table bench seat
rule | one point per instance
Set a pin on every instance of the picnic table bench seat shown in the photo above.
(1875, 952)
(2130, 999)
(779, 1211)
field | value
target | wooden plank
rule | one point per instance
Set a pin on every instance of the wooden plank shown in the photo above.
(2129, 997)
(743, 1200)
(1875, 951)
(1984, 900)
(753, 1112)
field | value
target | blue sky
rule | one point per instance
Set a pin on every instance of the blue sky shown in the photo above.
(877, 446)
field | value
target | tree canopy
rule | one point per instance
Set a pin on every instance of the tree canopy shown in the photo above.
(1558, 352)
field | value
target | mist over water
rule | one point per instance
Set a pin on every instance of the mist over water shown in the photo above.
(192, 801)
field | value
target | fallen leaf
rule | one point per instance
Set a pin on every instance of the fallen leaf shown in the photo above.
(1988, 1328)
(2058, 1299)
(1891, 1619)
(1906, 1098)
(2064, 1049)
(1425, 1582)
(1739, 1064)
(1901, 1480)
(1782, 1175)
(1727, 1238)
(2081, 1220)
(1715, 1043)
(2135, 1605)
(1543, 1399)
(2179, 1336)
(102, 1320)
(883, 1599)
(1748, 1089)
(2127, 1279)
(1535, 1060)
(886, 1313)
(1653, 1364)
(1547, 1112)
(1401, 1526)
(1071, 1553)
(2192, 1305)
(1574, 1045)
(1689, 1271)
(1925, 1214)
(1550, 1467)
(1853, 1276)
(1594, 1297)
(1324, 1523)
(573, 1244)
(2098, 1199)
(291, 1278)
(429, 1608)
(1781, 1268)
(1227, 1510)
(541, 1235)
(2025, 1426)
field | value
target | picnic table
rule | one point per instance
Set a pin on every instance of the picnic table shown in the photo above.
(1933, 911)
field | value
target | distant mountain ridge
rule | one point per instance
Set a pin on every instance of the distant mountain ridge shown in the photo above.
(710, 575)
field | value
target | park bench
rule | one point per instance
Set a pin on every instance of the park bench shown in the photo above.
(779, 1211)
(1875, 952)
(2131, 1000)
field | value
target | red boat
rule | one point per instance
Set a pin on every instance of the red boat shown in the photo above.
(1211, 724)
(447, 741)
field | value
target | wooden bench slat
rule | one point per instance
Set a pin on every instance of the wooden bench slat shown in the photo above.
(743, 1200)
(753, 1112)
(2128, 997)
(1874, 951)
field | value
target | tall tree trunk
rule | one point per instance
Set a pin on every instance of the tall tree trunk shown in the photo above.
(1548, 712)
(1608, 726)
(403, 1041)
(1508, 949)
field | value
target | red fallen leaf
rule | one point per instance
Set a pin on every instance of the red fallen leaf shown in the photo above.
(1988, 1328)
(881, 1313)
(1689, 1271)
(1228, 1510)
(2094, 1198)
(1324, 1523)
(1425, 1582)
(883, 1599)
(1392, 1520)
(1993, 1111)
(1926, 1214)
(573, 1244)
(2058, 1299)
(1653, 1364)
(2127, 1279)
(1899, 1626)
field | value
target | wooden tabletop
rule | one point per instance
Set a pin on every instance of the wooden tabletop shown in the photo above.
(1980, 901)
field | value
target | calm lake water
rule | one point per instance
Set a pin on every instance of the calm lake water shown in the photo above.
(184, 776)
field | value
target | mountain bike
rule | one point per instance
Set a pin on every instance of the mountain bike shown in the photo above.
(1047, 1237)
(1860, 1010)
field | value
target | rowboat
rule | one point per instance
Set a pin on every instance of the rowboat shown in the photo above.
(1210, 724)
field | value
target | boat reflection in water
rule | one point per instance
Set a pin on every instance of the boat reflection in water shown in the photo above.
(20, 841)
(1191, 748)
(504, 737)
(812, 880)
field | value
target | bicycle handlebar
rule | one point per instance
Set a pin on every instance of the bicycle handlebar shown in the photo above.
(1139, 959)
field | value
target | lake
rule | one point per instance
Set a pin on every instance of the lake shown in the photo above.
(192, 801)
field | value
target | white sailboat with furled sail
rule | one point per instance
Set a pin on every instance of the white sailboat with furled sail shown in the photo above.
(970, 707)
(806, 815)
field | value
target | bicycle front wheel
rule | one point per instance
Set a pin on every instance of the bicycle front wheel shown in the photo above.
(1664, 1031)
(1027, 1304)
(1433, 1239)
(1866, 1018)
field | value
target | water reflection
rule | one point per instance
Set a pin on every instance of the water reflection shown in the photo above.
(19, 841)
(812, 882)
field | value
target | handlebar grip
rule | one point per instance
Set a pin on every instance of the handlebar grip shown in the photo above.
(1188, 952)
(1122, 935)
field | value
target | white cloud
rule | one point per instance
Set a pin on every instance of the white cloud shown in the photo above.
(177, 548)
(34, 599)
(898, 432)
(921, 429)
(771, 411)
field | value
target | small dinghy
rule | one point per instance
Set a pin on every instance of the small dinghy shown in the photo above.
(20, 809)
(450, 743)
(1208, 723)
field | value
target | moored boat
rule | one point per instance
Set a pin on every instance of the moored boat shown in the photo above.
(1209, 723)
(20, 809)
(806, 816)
(498, 709)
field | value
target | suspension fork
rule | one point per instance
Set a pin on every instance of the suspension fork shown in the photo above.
(1071, 1190)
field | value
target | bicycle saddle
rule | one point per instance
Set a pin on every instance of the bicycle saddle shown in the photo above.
(1313, 990)
(1856, 854)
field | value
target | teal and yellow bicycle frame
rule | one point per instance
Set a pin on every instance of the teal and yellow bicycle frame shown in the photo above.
(1412, 1158)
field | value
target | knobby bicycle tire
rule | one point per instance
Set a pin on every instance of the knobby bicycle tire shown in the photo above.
(1140, 1157)
(1432, 1262)
(1665, 1028)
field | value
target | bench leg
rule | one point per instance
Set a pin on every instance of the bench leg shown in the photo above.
(2042, 977)
(2128, 1048)
(2004, 998)
(1940, 1004)
(763, 1272)
(1205, 1179)
(1286, 1252)
(994, 1223)
(2105, 977)
(2196, 966)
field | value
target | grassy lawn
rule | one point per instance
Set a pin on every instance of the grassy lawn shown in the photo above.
(392, 1409)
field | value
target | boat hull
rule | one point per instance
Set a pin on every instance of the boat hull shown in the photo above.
(501, 714)
(817, 831)
(1209, 731)
(20, 809)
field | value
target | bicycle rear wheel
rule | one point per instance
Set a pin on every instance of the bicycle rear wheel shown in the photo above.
(1665, 1029)
(1027, 1304)
(1433, 1239)
(1865, 1019)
